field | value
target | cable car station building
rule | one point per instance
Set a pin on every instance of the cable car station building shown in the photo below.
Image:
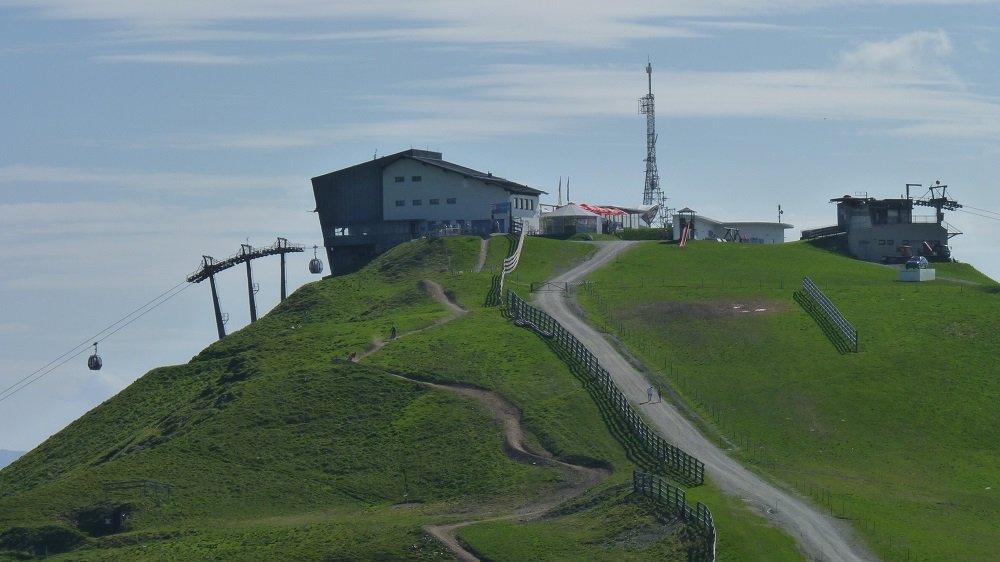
(368, 208)
(888, 230)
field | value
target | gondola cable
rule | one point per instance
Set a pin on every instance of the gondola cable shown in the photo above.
(100, 336)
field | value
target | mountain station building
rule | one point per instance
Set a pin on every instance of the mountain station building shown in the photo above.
(370, 207)
(890, 230)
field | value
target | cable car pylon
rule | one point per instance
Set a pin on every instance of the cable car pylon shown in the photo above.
(210, 266)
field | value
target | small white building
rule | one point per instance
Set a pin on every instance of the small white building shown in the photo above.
(703, 228)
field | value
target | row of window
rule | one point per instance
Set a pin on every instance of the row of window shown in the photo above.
(401, 179)
(524, 203)
(933, 243)
(419, 202)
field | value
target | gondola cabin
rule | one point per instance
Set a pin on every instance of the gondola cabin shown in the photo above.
(94, 361)
(315, 264)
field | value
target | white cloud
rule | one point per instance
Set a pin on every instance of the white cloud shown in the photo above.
(198, 58)
(581, 24)
(182, 57)
(200, 184)
(74, 245)
(900, 87)
(917, 57)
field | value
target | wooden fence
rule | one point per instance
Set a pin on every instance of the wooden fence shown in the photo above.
(687, 467)
(697, 516)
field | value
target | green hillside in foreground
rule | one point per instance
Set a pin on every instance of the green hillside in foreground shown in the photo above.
(899, 440)
(276, 447)
(271, 445)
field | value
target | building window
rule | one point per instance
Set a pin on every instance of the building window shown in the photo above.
(417, 202)
(532, 204)
(450, 201)
(416, 178)
(435, 201)
(400, 179)
(400, 203)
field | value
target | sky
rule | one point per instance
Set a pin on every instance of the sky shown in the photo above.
(136, 137)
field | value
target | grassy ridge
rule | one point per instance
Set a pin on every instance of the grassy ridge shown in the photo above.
(276, 447)
(899, 438)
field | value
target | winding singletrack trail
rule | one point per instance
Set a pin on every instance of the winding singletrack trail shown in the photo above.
(579, 478)
(819, 536)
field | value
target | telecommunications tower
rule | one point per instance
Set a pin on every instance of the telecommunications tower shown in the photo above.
(651, 194)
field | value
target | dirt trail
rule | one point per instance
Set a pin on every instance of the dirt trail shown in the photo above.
(580, 478)
(438, 294)
(484, 248)
(818, 535)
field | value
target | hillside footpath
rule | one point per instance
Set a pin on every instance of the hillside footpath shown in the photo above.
(818, 535)
(577, 479)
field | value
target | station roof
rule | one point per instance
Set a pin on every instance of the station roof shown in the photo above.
(435, 159)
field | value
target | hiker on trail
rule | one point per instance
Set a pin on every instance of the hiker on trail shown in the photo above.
(649, 394)
(392, 333)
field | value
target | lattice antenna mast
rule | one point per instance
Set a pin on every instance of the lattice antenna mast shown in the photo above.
(651, 194)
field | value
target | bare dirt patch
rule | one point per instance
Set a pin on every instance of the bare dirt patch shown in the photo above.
(658, 311)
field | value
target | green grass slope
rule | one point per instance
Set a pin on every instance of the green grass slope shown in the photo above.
(276, 447)
(899, 439)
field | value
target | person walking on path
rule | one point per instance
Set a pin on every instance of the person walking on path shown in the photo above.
(392, 332)
(649, 394)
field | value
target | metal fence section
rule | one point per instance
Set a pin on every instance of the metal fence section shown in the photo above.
(830, 310)
(688, 467)
(698, 515)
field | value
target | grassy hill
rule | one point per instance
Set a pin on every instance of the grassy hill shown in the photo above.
(899, 439)
(274, 446)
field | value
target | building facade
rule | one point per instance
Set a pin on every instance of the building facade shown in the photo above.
(368, 208)
(703, 228)
(887, 230)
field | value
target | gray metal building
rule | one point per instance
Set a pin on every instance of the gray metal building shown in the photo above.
(888, 230)
(370, 207)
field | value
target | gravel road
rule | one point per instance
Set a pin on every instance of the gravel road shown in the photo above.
(819, 536)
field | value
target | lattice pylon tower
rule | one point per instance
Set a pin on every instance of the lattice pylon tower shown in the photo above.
(651, 193)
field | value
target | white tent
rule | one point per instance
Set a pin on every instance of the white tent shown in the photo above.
(570, 219)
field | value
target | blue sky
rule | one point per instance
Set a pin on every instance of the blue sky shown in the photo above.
(138, 136)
